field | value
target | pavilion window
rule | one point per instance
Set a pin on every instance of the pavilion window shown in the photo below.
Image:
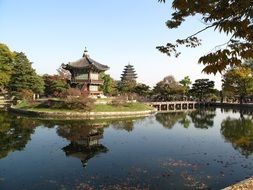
(94, 76)
(82, 77)
(93, 88)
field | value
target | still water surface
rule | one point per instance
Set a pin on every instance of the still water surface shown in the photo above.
(205, 149)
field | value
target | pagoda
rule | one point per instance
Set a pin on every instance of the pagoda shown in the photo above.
(128, 74)
(85, 74)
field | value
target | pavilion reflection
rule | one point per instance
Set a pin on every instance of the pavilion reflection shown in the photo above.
(84, 140)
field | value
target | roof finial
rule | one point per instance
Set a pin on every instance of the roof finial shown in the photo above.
(85, 53)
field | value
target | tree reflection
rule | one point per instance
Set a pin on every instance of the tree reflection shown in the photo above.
(15, 132)
(202, 118)
(124, 125)
(185, 121)
(168, 120)
(239, 132)
(84, 140)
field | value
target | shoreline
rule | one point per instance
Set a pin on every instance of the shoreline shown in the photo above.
(70, 115)
(232, 105)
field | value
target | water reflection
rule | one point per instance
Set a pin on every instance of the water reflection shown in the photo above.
(84, 140)
(239, 132)
(168, 120)
(148, 156)
(203, 118)
(15, 132)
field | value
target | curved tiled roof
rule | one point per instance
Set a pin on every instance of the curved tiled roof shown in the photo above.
(85, 62)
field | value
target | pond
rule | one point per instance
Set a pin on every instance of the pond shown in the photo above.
(204, 149)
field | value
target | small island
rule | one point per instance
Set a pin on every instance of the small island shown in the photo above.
(83, 97)
(82, 108)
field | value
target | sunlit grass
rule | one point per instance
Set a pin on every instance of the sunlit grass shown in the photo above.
(127, 107)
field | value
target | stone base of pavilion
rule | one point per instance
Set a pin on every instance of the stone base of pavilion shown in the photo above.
(243, 185)
(69, 115)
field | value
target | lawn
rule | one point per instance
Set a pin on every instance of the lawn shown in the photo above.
(127, 107)
(122, 108)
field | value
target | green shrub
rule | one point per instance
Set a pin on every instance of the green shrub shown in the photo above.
(25, 94)
(119, 101)
(73, 92)
(71, 103)
(80, 103)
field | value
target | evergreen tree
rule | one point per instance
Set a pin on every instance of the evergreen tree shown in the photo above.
(55, 85)
(24, 76)
(201, 88)
(142, 90)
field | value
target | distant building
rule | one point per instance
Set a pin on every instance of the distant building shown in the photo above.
(85, 74)
(128, 74)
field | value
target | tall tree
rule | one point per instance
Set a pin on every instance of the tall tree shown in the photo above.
(126, 86)
(201, 88)
(142, 90)
(55, 85)
(6, 66)
(167, 89)
(232, 17)
(238, 81)
(186, 82)
(109, 85)
(24, 76)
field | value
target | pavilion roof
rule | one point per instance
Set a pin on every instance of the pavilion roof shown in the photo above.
(86, 62)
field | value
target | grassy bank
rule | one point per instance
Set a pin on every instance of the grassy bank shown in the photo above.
(137, 106)
(127, 107)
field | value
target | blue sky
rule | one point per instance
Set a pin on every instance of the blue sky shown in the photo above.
(115, 32)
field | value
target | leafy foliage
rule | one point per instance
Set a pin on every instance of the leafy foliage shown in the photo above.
(6, 65)
(119, 101)
(202, 119)
(25, 94)
(14, 133)
(73, 92)
(126, 86)
(109, 85)
(201, 88)
(239, 132)
(238, 81)
(24, 76)
(167, 88)
(82, 103)
(142, 90)
(168, 120)
(232, 17)
(186, 82)
(55, 85)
